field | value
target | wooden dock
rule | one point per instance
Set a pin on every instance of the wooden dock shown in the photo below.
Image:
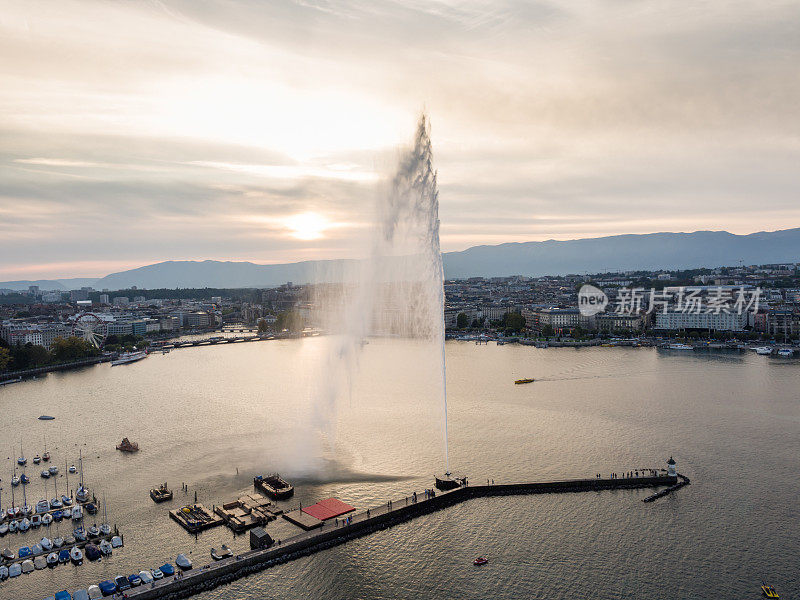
(331, 533)
(247, 512)
(195, 517)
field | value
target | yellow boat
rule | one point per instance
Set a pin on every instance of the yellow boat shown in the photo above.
(769, 591)
(520, 381)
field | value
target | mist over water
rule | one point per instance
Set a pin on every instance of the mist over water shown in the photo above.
(396, 291)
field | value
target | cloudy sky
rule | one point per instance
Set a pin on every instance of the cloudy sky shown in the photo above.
(135, 132)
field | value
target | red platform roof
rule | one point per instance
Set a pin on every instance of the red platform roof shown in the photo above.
(328, 509)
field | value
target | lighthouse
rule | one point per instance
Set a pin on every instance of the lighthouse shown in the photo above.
(672, 468)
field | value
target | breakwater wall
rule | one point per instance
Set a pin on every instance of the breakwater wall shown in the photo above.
(365, 522)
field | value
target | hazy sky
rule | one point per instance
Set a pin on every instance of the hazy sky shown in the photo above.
(134, 132)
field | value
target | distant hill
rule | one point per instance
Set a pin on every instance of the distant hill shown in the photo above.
(625, 253)
(613, 253)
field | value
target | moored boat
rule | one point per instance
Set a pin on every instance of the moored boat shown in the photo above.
(224, 552)
(76, 555)
(128, 446)
(129, 357)
(161, 494)
(274, 486)
(521, 381)
(768, 591)
(183, 562)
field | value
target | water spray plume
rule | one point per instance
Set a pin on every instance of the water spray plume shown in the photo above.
(398, 290)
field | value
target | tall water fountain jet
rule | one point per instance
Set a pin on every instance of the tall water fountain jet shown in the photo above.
(396, 291)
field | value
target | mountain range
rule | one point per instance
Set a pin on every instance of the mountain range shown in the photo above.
(650, 251)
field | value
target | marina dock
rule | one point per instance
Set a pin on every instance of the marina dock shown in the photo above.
(195, 517)
(81, 545)
(362, 522)
(247, 512)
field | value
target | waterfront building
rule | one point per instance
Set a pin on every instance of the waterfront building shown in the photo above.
(678, 320)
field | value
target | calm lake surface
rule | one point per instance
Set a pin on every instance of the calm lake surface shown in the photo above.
(732, 422)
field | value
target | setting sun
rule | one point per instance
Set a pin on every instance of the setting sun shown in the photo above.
(307, 226)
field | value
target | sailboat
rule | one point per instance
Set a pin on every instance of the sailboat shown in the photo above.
(21, 461)
(26, 510)
(81, 494)
(46, 455)
(105, 528)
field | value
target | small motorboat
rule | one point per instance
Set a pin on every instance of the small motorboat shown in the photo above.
(37, 459)
(105, 529)
(22, 461)
(14, 570)
(66, 500)
(52, 559)
(768, 591)
(146, 577)
(128, 446)
(13, 526)
(25, 524)
(481, 560)
(72, 469)
(58, 542)
(108, 587)
(90, 507)
(134, 580)
(46, 418)
(27, 510)
(47, 543)
(63, 555)
(122, 583)
(7, 554)
(77, 513)
(224, 552)
(3, 528)
(56, 503)
(80, 534)
(67, 513)
(76, 555)
(80, 595)
(40, 562)
(105, 547)
(45, 474)
(28, 566)
(521, 381)
(15, 481)
(92, 552)
(37, 549)
(47, 519)
(161, 494)
(183, 562)
(62, 595)
(95, 593)
(116, 542)
(42, 506)
(167, 569)
(57, 515)
(36, 520)
(93, 531)
(157, 574)
(53, 470)
(3, 573)
(46, 456)
(24, 479)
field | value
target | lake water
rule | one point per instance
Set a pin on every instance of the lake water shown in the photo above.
(732, 422)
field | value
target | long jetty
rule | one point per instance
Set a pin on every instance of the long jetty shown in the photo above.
(362, 523)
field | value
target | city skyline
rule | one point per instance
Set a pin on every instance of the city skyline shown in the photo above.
(139, 133)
